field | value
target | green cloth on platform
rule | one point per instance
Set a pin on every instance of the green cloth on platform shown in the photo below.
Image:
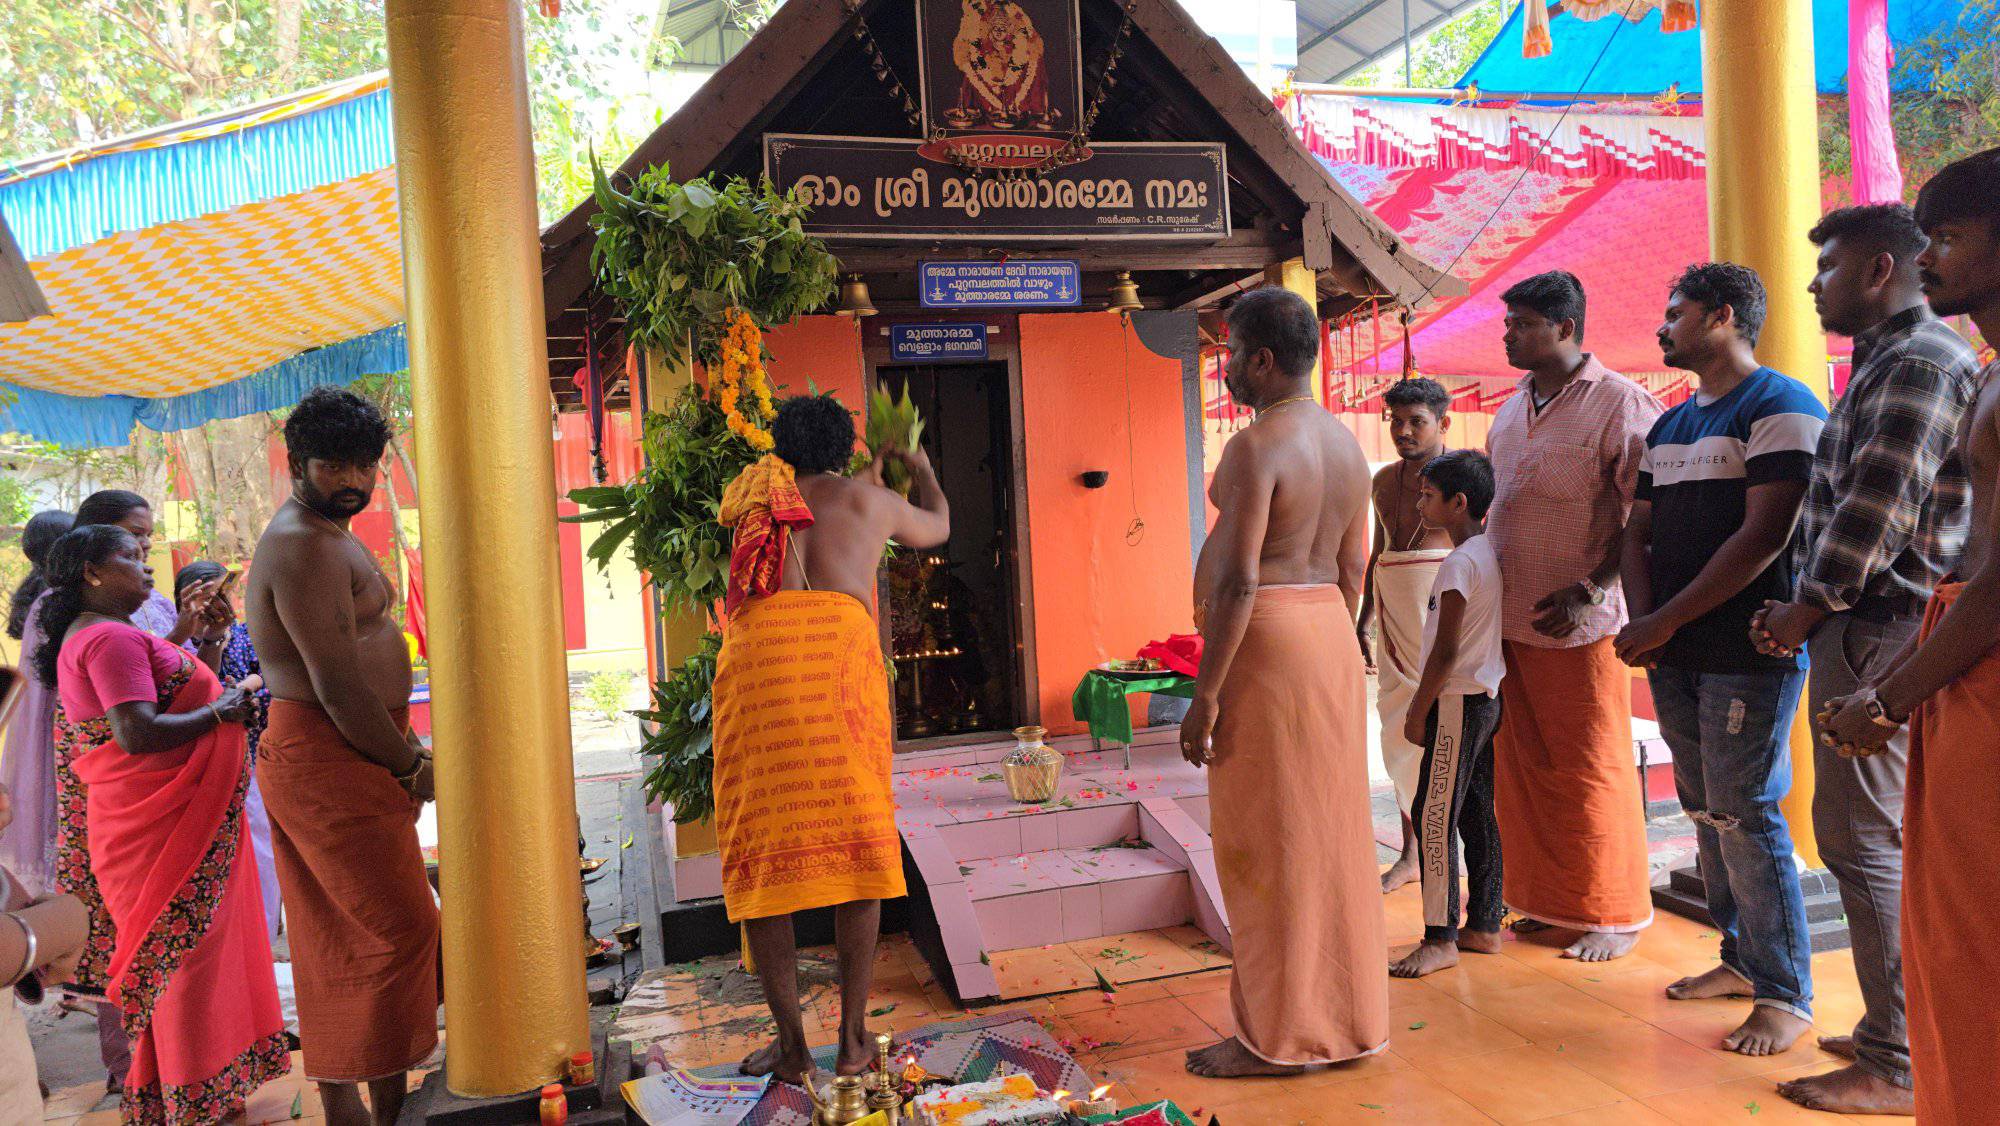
(1099, 700)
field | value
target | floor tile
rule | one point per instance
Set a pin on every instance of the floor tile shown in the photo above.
(1617, 1114)
(1440, 1029)
(1523, 1084)
(1754, 1100)
(1397, 1096)
(1164, 1075)
(1706, 1032)
(1479, 974)
(1206, 982)
(1642, 1061)
(1150, 1026)
(1549, 1011)
(1639, 988)
(1040, 970)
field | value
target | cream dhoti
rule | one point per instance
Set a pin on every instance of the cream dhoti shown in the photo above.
(1402, 599)
(1288, 795)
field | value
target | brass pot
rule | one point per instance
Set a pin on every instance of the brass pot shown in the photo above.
(1032, 770)
(843, 1101)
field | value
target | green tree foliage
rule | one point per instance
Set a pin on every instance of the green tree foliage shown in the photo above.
(1947, 104)
(1439, 57)
(79, 71)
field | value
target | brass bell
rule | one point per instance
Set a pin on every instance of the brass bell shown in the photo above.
(1124, 294)
(854, 299)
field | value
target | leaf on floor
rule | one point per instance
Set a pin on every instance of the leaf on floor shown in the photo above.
(1753, 1108)
(1103, 983)
(1417, 1025)
(883, 1011)
(628, 841)
(989, 778)
(299, 1105)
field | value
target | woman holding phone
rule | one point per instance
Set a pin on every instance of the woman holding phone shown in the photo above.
(239, 667)
(158, 743)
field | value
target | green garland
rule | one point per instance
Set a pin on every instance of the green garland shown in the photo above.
(681, 741)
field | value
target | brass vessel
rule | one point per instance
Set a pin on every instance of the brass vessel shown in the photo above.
(843, 1101)
(1032, 770)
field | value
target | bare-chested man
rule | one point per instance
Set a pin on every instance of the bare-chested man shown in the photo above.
(341, 773)
(1947, 688)
(1279, 713)
(1401, 569)
(803, 810)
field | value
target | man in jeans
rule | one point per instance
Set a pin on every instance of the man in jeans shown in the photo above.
(1717, 500)
(1885, 519)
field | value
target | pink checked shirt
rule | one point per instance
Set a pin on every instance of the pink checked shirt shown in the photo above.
(1563, 487)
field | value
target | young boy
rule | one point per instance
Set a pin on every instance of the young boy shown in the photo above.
(1452, 716)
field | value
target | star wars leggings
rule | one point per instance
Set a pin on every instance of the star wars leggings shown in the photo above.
(1455, 802)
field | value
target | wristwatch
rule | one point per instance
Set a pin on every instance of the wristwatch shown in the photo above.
(1596, 593)
(1879, 714)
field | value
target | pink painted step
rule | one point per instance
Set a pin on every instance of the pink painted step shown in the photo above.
(1066, 894)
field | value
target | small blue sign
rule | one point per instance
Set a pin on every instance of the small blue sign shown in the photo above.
(1000, 285)
(937, 343)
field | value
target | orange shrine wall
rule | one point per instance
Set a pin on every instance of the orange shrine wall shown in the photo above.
(822, 352)
(1096, 596)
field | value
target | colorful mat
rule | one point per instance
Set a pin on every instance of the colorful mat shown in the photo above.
(1162, 1113)
(966, 1051)
(679, 1098)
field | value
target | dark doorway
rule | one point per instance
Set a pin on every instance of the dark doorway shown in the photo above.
(953, 612)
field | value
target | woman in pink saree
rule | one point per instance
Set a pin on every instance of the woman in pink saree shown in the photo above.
(158, 744)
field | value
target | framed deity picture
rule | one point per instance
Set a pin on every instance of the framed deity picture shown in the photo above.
(1002, 80)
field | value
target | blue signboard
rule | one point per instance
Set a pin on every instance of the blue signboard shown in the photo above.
(1000, 285)
(937, 343)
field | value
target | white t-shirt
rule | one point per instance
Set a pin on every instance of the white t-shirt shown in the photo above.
(1473, 570)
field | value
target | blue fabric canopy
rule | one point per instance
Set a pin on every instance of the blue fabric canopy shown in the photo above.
(310, 169)
(1641, 59)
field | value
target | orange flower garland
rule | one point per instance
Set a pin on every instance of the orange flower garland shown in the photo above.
(743, 368)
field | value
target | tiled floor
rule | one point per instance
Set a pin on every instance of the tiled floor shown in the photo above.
(289, 1100)
(1523, 1036)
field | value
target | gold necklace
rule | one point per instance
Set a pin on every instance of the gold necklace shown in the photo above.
(1284, 402)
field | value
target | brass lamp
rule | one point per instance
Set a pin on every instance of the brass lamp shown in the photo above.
(1124, 294)
(854, 299)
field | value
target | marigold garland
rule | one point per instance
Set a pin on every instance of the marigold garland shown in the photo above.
(743, 368)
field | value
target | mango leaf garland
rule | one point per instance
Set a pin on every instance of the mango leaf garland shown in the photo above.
(681, 739)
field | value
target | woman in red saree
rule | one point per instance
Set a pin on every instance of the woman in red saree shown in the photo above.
(158, 744)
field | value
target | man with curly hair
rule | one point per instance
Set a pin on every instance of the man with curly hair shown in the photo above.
(342, 775)
(804, 816)
(1718, 497)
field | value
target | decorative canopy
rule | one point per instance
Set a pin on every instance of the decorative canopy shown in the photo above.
(208, 269)
(1616, 56)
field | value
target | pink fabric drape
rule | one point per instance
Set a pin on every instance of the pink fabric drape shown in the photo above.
(1878, 178)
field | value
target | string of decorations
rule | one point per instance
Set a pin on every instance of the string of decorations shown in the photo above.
(743, 370)
(1071, 149)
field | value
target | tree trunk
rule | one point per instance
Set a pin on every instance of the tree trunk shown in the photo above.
(285, 23)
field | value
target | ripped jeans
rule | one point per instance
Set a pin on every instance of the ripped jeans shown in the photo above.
(1730, 734)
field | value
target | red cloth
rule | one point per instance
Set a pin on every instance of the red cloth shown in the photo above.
(1180, 652)
(191, 969)
(764, 507)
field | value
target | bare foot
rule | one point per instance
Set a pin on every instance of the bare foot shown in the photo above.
(1718, 982)
(1229, 1059)
(1598, 947)
(787, 1065)
(1842, 1046)
(1428, 958)
(857, 1052)
(1403, 871)
(1849, 1090)
(1768, 1031)
(1525, 925)
(1479, 942)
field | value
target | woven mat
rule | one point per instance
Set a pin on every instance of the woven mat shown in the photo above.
(966, 1051)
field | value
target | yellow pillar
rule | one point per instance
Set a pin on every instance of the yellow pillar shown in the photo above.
(513, 908)
(1293, 275)
(1763, 196)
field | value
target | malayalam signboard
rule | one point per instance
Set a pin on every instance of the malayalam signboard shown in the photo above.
(937, 343)
(999, 285)
(1001, 80)
(878, 188)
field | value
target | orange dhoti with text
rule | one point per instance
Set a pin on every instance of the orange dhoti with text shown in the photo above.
(1949, 958)
(803, 810)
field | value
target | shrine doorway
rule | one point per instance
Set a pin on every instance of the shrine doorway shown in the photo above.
(954, 616)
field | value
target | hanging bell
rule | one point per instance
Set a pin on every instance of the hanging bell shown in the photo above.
(1124, 294)
(854, 299)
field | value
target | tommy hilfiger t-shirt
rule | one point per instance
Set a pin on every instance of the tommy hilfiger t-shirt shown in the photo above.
(1701, 460)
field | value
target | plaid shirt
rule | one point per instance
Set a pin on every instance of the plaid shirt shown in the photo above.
(1886, 514)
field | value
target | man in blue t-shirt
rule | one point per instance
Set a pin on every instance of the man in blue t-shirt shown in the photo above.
(1717, 502)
